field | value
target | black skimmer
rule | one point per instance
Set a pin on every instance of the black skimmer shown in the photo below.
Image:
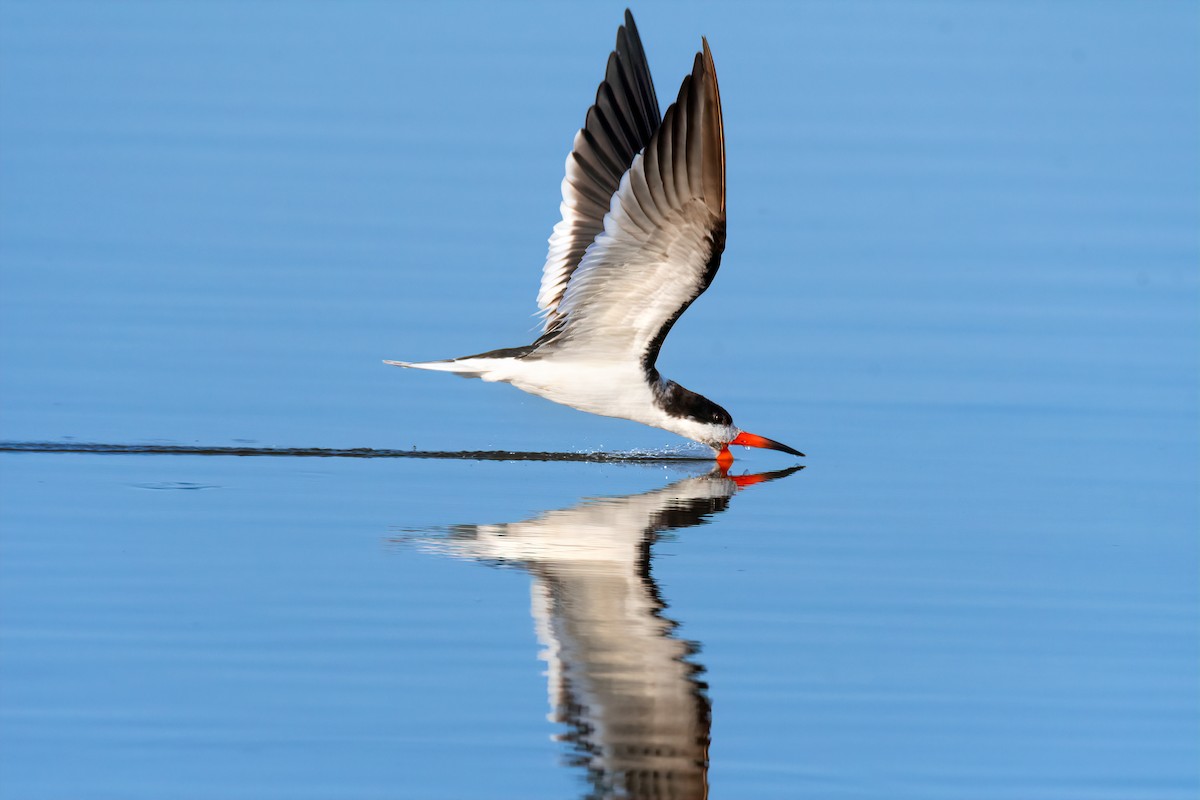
(641, 237)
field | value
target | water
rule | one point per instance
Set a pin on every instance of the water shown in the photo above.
(960, 275)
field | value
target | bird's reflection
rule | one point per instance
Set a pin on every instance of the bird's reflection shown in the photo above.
(628, 691)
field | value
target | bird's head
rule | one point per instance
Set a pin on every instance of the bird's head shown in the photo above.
(702, 420)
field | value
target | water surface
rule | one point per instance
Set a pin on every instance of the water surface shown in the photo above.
(960, 275)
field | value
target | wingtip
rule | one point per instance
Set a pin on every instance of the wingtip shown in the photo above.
(630, 29)
(704, 73)
(704, 60)
(706, 52)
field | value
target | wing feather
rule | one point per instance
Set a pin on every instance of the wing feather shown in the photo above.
(663, 235)
(679, 144)
(617, 127)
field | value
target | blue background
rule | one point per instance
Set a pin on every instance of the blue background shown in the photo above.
(961, 275)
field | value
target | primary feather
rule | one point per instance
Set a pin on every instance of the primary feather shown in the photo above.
(617, 128)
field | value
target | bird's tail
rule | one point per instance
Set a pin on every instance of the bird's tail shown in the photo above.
(490, 365)
(487, 367)
(459, 367)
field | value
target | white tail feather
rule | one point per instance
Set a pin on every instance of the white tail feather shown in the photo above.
(464, 367)
(440, 366)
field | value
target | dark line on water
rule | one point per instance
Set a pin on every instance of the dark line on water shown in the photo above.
(94, 448)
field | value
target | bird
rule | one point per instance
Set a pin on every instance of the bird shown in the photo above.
(641, 237)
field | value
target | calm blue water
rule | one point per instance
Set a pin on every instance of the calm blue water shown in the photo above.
(961, 274)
